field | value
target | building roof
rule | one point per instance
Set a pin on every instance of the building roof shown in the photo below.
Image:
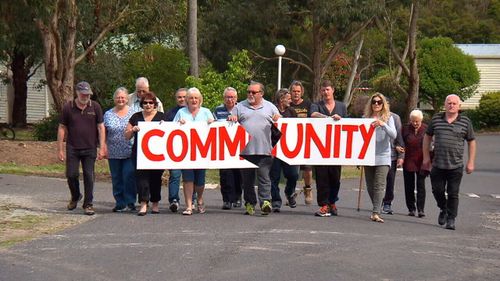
(481, 50)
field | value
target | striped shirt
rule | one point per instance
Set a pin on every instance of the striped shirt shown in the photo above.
(449, 140)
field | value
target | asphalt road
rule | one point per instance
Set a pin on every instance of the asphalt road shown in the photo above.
(291, 245)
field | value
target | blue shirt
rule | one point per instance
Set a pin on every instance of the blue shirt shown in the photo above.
(118, 146)
(221, 112)
(203, 115)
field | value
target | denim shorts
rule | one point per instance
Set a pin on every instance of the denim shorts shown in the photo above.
(196, 176)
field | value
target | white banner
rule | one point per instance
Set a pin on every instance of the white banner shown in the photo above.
(194, 145)
(311, 141)
(324, 141)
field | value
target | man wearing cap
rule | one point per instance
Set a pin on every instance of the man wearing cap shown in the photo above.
(81, 126)
(134, 99)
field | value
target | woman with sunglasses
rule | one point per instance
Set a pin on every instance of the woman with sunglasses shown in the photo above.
(193, 179)
(148, 181)
(385, 132)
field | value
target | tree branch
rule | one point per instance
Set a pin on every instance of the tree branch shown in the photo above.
(121, 16)
(300, 53)
(292, 61)
(341, 43)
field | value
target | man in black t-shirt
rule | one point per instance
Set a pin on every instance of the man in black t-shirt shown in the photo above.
(80, 133)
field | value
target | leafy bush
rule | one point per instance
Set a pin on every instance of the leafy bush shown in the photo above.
(487, 112)
(212, 83)
(165, 68)
(46, 129)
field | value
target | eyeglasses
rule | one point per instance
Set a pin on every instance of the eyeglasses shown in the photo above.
(253, 92)
(378, 102)
(148, 102)
(229, 97)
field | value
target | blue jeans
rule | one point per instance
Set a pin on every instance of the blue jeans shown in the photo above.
(447, 181)
(291, 174)
(73, 158)
(174, 181)
(123, 180)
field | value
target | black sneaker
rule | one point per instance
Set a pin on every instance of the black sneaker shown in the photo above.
(387, 209)
(131, 208)
(421, 214)
(276, 209)
(237, 204)
(226, 205)
(117, 209)
(450, 224)
(442, 217)
(291, 200)
(174, 206)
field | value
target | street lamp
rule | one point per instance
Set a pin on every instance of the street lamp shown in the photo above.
(279, 50)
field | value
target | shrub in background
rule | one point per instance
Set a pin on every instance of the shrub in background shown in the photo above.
(488, 110)
(46, 129)
(212, 83)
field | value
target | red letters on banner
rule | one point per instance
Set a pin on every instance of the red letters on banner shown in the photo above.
(218, 142)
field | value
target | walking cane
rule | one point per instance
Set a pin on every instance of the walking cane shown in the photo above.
(360, 187)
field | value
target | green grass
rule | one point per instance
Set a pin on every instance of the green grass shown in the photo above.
(350, 172)
(24, 224)
(24, 134)
(102, 168)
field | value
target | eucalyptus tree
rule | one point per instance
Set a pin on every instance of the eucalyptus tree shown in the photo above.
(20, 51)
(315, 32)
(62, 23)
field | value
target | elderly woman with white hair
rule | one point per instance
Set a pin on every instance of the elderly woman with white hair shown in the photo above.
(413, 136)
(119, 155)
(194, 179)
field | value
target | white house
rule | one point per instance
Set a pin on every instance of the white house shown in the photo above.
(487, 58)
(38, 103)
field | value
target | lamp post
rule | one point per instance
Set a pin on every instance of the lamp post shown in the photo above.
(279, 50)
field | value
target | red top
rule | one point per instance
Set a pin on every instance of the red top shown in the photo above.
(413, 147)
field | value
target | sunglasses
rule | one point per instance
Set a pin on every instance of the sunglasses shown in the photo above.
(253, 92)
(148, 102)
(378, 102)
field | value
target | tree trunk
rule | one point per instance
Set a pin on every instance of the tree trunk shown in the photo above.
(59, 51)
(413, 78)
(193, 37)
(20, 72)
(316, 61)
(354, 71)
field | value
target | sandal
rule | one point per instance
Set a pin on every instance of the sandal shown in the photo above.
(376, 218)
(201, 208)
(187, 212)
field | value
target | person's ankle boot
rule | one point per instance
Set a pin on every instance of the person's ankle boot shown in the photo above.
(308, 195)
(450, 224)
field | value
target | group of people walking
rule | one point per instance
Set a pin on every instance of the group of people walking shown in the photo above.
(86, 134)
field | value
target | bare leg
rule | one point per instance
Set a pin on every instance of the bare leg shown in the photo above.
(188, 194)
(307, 175)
